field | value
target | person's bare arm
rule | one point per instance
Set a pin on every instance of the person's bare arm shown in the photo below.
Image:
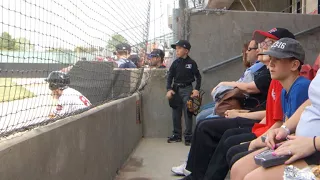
(258, 115)
(250, 88)
(280, 134)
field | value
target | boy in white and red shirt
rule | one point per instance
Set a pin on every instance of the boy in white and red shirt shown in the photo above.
(69, 99)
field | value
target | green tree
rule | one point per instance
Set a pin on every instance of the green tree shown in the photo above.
(6, 41)
(23, 44)
(114, 40)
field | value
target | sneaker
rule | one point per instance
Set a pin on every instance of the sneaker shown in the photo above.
(178, 170)
(187, 142)
(174, 138)
(186, 172)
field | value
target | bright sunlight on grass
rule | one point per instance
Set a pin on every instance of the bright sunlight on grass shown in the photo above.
(10, 91)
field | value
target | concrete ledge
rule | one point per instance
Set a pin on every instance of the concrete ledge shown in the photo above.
(91, 145)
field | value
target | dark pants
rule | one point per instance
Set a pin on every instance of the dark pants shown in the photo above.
(184, 94)
(237, 152)
(205, 140)
(218, 166)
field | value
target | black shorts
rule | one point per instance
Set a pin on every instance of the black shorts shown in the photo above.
(314, 159)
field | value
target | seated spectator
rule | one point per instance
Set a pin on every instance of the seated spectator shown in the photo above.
(69, 99)
(123, 51)
(156, 60)
(250, 56)
(285, 65)
(304, 147)
(287, 95)
(208, 133)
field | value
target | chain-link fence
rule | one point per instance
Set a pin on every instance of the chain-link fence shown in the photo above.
(77, 38)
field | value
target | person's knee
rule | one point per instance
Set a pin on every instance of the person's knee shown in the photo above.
(236, 170)
(253, 176)
(229, 155)
(229, 132)
(202, 126)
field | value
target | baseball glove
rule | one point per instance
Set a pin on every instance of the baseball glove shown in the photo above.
(194, 103)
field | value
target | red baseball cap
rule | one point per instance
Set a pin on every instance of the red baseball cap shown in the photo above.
(274, 33)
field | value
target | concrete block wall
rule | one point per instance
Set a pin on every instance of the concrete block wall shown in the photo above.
(157, 119)
(91, 145)
(216, 37)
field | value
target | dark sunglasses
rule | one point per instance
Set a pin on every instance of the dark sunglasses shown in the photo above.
(249, 48)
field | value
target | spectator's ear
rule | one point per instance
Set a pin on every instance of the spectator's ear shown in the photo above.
(296, 65)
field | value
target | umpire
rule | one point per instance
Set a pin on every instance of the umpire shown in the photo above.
(182, 73)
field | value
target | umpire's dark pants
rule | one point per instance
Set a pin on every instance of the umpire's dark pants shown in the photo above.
(218, 166)
(205, 140)
(184, 93)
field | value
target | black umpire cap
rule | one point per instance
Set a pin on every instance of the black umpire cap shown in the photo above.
(123, 47)
(183, 43)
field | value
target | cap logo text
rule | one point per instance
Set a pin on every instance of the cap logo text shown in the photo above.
(278, 44)
(273, 30)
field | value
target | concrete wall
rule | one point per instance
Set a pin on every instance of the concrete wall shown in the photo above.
(92, 145)
(156, 112)
(216, 37)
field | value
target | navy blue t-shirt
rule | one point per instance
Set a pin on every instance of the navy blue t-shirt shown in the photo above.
(296, 96)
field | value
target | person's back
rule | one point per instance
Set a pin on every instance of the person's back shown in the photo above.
(123, 51)
(70, 101)
(126, 63)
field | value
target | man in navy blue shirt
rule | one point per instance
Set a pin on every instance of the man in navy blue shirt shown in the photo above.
(123, 51)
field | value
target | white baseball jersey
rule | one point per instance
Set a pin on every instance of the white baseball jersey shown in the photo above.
(70, 101)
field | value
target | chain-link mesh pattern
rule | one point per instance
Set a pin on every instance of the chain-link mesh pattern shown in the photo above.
(76, 37)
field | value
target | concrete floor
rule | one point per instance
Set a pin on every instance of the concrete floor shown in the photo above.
(153, 159)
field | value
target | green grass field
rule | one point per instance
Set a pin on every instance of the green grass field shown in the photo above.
(10, 91)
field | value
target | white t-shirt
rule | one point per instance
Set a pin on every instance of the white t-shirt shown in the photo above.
(70, 101)
(309, 124)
